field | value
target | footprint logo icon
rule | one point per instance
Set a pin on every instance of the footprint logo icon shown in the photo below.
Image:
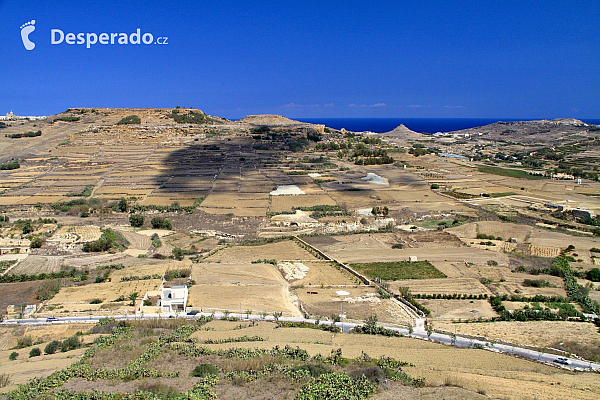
(26, 29)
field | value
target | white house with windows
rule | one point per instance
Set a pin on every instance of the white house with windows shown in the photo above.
(173, 299)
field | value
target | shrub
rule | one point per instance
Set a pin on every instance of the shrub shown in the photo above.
(435, 186)
(13, 356)
(203, 370)
(96, 301)
(24, 341)
(178, 253)
(52, 347)
(161, 223)
(10, 165)
(35, 352)
(136, 220)
(538, 283)
(593, 275)
(71, 343)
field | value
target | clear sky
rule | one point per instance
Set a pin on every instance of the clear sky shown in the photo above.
(483, 58)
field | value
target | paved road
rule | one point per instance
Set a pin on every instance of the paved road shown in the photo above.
(346, 326)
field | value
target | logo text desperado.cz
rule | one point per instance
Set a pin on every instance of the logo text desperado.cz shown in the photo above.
(89, 39)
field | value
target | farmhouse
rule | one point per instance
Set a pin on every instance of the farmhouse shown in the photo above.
(64, 240)
(14, 246)
(174, 299)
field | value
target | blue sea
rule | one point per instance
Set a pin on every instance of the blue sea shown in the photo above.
(427, 125)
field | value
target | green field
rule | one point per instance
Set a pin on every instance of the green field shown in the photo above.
(513, 173)
(393, 271)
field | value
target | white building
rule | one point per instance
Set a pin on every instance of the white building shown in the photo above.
(12, 117)
(173, 299)
(14, 246)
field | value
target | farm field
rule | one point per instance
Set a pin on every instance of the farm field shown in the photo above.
(78, 299)
(37, 264)
(321, 273)
(534, 333)
(454, 310)
(442, 286)
(239, 298)
(393, 271)
(280, 251)
(358, 303)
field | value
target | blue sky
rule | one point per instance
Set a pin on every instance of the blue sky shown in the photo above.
(512, 59)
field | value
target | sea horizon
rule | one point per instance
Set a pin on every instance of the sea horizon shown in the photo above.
(422, 125)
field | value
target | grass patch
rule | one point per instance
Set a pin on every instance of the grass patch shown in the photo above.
(495, 195)
(130, 120)
(513, 173)
(393, 271)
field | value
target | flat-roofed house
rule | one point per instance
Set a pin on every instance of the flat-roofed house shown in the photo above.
(173, 299)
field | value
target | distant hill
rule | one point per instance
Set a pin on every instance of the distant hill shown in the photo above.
(543, 131)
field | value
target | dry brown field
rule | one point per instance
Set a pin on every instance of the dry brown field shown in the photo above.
(431, 254)
(443, 286)
(360, 199)
(534, 333)
(149, 269)
(453, 310)
(230, 274)
(325, 273)
(506, 282)
(136, 241)
(285, 203)
(78, 298)
(361, 303)
(241, 285)
(236, 298)
(92, 261)
(37, 264)
(280, 251)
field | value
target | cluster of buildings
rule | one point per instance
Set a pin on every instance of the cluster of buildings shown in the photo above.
(12, 117)
(15, 246)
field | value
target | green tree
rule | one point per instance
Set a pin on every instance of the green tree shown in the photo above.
(132, 297)
(13, 356)
(136, 220)
(27, 228)
(37, 242)
(122, 206)
(161, 223)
